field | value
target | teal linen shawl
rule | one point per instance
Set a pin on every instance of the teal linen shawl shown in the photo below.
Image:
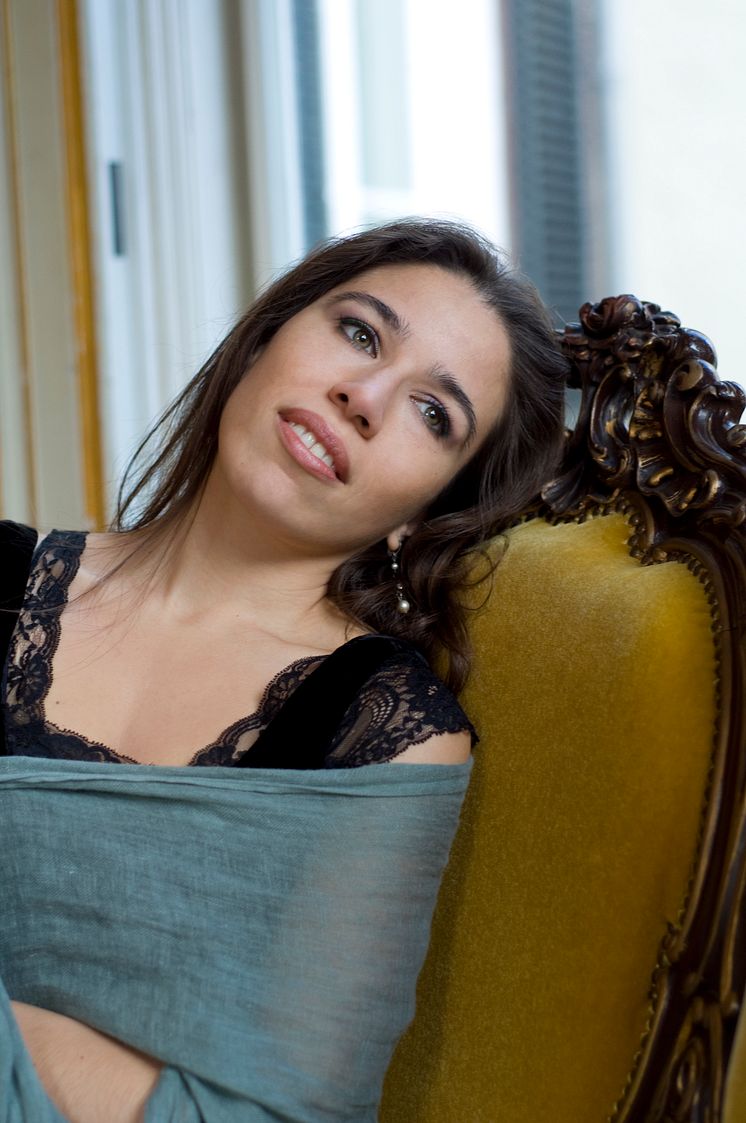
(259, 931)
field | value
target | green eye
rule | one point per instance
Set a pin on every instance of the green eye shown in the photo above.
(435, 417)
(360, 335)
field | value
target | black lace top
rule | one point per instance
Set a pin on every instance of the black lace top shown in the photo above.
(401, 705)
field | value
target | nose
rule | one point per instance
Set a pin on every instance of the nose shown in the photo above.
(363, 402)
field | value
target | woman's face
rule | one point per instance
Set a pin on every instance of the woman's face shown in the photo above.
(362, 408)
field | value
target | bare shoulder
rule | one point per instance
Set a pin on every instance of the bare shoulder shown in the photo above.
(441, 748)
(105, 549)
(118, 563)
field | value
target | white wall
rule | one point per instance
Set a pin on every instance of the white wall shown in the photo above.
(161, 103)
(675, 81)
(432, 92)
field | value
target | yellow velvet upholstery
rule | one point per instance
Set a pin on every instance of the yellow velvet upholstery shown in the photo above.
(594, 695)
(734, 1107)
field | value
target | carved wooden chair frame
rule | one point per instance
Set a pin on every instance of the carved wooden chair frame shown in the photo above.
(658, 437)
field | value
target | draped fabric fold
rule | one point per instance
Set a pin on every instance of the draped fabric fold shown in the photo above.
(259, 932)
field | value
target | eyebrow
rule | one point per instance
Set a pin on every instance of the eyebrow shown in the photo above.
(391, 318)
(451, 386)
(443, 378)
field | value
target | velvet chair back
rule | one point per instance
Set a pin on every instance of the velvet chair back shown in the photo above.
(587, 960)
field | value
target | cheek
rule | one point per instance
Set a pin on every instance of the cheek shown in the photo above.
(229, 421)
(246, 403)
(405, 486)
(240, 426)
(236, 398)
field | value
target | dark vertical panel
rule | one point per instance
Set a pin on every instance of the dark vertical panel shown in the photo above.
(547, 149)
(308, 94)
(239, 178)
(116, 190)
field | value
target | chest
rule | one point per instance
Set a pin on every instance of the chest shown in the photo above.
(127, 678)
(159, 693)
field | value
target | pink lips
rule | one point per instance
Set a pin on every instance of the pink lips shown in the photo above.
(324, 435)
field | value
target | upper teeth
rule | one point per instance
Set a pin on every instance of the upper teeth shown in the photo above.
(312, 444)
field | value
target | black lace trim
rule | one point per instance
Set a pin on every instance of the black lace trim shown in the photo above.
(404, 704)
(37, 632)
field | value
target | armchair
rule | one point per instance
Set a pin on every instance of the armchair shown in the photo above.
(587, 960)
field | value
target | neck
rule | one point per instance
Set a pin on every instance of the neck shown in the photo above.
(214, 564)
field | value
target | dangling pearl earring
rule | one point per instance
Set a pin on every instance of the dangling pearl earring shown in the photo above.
(402, 604)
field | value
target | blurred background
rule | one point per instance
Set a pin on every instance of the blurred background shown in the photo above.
(161, 159)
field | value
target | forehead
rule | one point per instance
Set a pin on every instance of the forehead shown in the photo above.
(422, 287)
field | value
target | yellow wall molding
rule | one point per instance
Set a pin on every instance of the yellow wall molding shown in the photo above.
(79, 238)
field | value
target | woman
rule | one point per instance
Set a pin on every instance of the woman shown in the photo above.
(381, 410)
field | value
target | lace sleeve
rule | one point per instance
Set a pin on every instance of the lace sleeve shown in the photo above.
(402, 705)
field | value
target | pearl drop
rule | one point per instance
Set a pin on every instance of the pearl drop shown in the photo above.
(403, 606)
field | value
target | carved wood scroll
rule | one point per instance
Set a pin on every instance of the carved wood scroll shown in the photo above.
(659, 436)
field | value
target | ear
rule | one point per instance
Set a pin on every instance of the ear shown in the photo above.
(395, 539)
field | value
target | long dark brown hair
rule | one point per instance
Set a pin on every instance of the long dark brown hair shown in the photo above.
(168, 471)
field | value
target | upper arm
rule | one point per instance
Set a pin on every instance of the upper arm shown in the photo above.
(403, 712)
(441, 748)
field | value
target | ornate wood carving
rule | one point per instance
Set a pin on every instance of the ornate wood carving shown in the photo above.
(660, 436)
